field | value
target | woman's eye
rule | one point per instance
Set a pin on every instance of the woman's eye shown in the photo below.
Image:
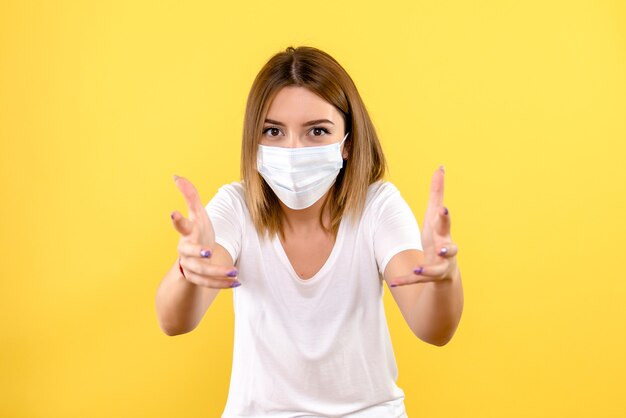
(271, 131)
(318, 131)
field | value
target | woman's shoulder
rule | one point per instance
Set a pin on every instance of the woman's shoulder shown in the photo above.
(234, 188)
(232, 193)
(379, 194)
(379, 190)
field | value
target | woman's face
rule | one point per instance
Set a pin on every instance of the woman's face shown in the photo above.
(298, 117)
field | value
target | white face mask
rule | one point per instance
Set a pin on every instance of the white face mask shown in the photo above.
(300, 176)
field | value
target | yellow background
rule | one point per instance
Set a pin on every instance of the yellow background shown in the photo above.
(523, 102)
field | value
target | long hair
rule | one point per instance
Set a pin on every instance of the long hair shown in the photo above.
(317, 71)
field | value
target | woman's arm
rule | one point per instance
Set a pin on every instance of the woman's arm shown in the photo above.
(431, 309)
(181, 304)
(427, 285)
(181, 301)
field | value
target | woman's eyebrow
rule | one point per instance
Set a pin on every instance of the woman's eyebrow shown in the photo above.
(309, 123)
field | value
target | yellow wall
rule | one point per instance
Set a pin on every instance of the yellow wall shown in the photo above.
(523, 102)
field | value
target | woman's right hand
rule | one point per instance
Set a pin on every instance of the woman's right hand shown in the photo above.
(197, 243)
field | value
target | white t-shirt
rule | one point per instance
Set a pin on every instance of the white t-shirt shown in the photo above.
(318, 347)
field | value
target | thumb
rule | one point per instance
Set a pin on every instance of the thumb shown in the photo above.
(192, 199)
(183, 225)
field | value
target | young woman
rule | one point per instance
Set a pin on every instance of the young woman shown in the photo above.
(305, 241)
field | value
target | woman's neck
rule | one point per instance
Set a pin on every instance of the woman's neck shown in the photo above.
(305, 220)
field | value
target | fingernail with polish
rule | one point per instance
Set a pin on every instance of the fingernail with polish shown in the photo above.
(232, 273)
(393, 285)
(443, 251)
(205, 253)
(445, 210)
(418, 270)
(441, 168)
(172, 215)
(235, 284)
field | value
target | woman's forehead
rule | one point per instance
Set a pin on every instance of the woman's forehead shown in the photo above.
(296, 104)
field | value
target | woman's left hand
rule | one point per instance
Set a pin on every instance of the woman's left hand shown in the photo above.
(439, 250)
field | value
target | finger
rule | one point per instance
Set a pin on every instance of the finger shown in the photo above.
(448, 250)
(192, 198)
(411, 279)
(422, 274)
(191, 267)
(201, 267)
(442, 224)
(437, 270)
(183, 225)
(193, 250)
(436, 190)
(211, 282)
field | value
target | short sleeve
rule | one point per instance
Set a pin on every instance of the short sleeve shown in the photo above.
(395, 227)
(226, 212)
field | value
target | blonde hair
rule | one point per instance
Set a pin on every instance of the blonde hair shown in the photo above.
(317, 71)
